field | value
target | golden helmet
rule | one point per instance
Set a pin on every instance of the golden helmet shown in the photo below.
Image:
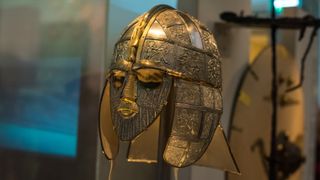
(164, 84)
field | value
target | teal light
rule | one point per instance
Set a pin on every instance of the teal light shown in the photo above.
(279, 10)
(286, 3)
(37, 140)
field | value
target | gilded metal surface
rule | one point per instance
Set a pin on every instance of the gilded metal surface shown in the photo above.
(193, 30)
(144, 148)
(197, 114)
(133, 104)
(109, 140)
(150, 103)
(175, 42)
(164, 51)
(218, 154)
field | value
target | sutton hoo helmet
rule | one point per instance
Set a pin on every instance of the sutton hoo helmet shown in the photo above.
(163, 92)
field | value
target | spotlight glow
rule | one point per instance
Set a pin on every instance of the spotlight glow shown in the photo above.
(286, 3)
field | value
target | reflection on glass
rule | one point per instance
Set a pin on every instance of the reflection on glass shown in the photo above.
(43, 47)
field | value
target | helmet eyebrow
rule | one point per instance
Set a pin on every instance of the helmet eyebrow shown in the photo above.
(123, 65)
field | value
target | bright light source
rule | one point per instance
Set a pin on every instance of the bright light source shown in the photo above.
(286, 3)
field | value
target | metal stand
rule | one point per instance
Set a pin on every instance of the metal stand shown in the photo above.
(274, 95)
(164, 170)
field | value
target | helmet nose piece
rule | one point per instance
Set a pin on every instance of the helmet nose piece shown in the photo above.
(127, 108)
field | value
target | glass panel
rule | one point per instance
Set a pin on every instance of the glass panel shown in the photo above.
(50, 62)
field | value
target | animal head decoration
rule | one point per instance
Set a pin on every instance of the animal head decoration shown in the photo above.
(163, 91)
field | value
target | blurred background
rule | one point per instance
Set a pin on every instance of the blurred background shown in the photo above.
(53, 58)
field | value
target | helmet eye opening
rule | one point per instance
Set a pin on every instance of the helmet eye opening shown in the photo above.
(150, 85)
(150, 78)
(118, 78)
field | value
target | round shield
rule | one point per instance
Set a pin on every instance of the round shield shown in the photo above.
(251, 119)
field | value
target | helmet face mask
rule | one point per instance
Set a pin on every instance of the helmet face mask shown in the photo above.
(137, 98)
(167, 58)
